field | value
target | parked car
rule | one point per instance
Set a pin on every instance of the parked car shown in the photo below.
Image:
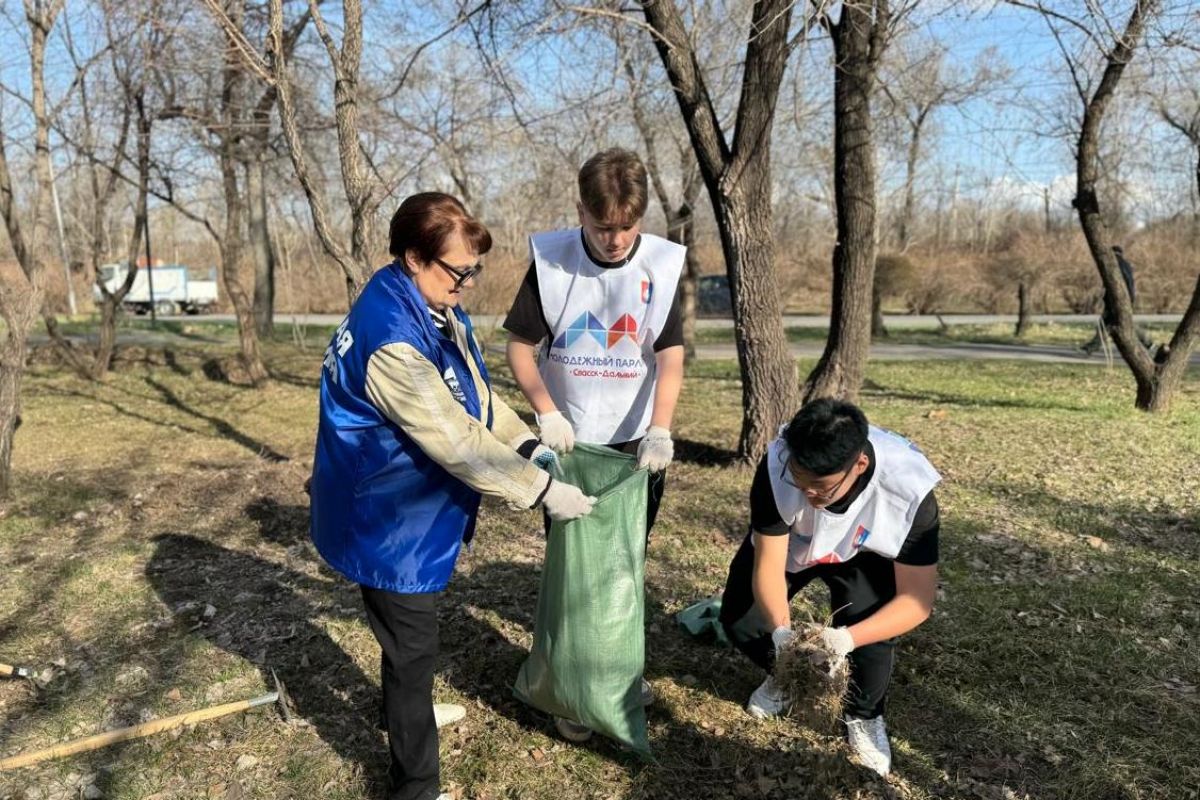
(176, 288)
(712, 296)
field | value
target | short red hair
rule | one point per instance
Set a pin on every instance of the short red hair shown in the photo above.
(424, 222)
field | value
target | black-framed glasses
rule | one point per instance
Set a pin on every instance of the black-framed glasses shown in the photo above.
(785, 475)
(461, 276)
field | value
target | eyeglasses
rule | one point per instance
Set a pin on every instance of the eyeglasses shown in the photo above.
(785, 475)
(461, 276)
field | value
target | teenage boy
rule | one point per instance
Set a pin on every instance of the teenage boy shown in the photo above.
(600, 301)
(853, 506)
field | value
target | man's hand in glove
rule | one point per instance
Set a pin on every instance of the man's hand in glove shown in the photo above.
(656, 450)
(556, 432)
(781, 636)
(564, 501)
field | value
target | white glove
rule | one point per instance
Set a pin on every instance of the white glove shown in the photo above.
(838, 641)
(564, 501)
(781, 636)
(557, 433)
(543, 457)
(656, 450)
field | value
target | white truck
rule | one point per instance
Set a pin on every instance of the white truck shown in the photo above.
(176, 288)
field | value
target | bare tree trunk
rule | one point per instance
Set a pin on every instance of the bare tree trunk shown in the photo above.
(904, 229)
(1157, 379)
(261, 248)
(1023, 309)
(681, 228)
(232, 243)
(769, 376)
(21, 295)
(858, 42)
(738, 179)
(878, 329)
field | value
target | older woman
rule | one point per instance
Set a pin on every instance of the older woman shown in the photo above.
(410, 437)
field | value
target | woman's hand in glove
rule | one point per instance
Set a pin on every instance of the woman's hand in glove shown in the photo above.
(563, 501)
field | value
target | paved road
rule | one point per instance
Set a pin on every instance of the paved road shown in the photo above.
(1057, 354)
(898, 321)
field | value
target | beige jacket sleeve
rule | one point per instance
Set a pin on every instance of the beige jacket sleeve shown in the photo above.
(506, 424)
(408, 389)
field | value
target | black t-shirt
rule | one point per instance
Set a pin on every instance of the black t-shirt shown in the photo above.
(920, 548)
(526, 319)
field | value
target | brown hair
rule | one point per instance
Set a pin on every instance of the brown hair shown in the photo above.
(612, 186)
(425, 220)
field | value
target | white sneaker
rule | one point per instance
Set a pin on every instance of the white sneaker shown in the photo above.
(572, 731)
(768, 700)
(447, 714)
(647, 693)
(869, 742)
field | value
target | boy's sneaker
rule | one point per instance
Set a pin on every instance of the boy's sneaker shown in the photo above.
(572, 731)
(768, 700)
(869, 742)
(647, 693)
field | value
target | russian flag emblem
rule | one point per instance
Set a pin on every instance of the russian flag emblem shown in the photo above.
(647, 291)
(860, 536)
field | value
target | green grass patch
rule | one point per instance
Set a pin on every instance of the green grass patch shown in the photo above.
(156, 560)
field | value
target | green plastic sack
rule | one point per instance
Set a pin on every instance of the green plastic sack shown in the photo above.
(702, 620)
(589, 644)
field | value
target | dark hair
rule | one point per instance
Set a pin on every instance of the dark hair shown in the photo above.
(424, 221)
(826, 436)
(613, 186)
(1116, 248)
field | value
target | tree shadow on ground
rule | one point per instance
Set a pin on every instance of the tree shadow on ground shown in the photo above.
(877, 390)
(224, 428)
(266, 615)
(278, 522)
(1167, 532)
(703, 454)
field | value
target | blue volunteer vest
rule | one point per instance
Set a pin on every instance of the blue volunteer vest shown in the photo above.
(384, 514)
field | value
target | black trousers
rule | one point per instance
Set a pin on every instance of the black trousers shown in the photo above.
(406, 626)
(857, 589)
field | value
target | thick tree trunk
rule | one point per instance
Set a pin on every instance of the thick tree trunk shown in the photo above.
(1023, 310)
(261, 249)
(840, 371)
(769, 378)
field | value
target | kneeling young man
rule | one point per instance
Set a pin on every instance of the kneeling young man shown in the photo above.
(852, 505)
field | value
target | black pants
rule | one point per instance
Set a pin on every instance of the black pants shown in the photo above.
(857, 589)
(406, 626)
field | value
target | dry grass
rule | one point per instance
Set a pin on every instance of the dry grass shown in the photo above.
(156, 559)
(814, 677)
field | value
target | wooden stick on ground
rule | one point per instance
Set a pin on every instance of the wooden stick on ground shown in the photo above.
(9, 671)
(133, 732)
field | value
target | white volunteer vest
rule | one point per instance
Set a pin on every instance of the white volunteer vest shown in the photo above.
(878, 520)
(599, 365)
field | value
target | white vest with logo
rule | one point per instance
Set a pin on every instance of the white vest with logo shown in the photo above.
(878, 520)
(599, 364)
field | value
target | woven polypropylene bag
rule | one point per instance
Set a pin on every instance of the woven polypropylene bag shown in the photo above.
(589, 643)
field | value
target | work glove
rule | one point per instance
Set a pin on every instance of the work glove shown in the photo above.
(544, 458)
(837, 640)
(656, 449)
(781, 636)
(557, 433)
(563, 501)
